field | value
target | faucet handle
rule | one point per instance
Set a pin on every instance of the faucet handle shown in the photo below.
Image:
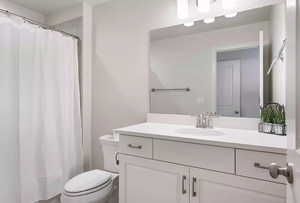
(204, 120)
(199, 120)
(212, 114)
(210, 117)
(199, 116)
(195, 115)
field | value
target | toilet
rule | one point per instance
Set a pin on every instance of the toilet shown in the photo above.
(96, 186)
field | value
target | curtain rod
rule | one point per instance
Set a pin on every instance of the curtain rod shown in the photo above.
(38, 24)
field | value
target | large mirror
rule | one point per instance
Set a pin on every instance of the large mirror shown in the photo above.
(221, 66)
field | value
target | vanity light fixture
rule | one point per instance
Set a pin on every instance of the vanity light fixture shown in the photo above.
(231, 15)
(182, 9)
(189, 24)
(203, 6)
(209, 20)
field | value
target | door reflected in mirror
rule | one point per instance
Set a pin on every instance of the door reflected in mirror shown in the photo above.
(238, 82)
(219, 67)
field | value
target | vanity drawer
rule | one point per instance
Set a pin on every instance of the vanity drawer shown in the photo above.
(196, 155)
(138, 146)
(245, 164)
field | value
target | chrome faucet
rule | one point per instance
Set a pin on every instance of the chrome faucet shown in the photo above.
(204, 120)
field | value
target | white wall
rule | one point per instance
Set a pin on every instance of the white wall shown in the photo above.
(188, 61)
(278, 30)
(121, 56)
(8, 5)
(63, 16)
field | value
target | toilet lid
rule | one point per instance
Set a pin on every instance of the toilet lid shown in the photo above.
(87, 181)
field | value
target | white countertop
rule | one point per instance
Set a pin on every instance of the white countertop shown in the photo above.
(234, 138)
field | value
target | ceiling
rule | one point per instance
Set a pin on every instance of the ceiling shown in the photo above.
(47, 6)
(246, 17)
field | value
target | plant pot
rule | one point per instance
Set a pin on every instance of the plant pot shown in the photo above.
(279, 129)
(267, 127)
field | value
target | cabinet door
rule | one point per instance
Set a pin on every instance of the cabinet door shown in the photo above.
(148, 181)
(214, 187)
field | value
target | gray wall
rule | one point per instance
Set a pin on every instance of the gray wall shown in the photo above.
(121, 62)
(120, 69)
(278, 28)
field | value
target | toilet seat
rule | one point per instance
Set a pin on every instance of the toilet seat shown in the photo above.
(88, 183)
(87, 192)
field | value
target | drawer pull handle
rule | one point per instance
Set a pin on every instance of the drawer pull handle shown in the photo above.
(194, 194)
(116, 158)
(258, 165)
(183, 184)
(135, 146)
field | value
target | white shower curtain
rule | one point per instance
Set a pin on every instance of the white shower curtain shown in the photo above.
(43, 70)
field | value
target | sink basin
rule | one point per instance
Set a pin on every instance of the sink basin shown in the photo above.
(200, 131)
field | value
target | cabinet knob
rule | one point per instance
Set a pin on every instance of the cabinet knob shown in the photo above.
(287, 172)
(275, 171)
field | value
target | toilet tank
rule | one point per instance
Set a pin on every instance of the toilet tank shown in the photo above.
(109, 145)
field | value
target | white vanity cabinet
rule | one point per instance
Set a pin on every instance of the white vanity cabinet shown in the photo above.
(148, 181)
(214, 187)
(156, 170)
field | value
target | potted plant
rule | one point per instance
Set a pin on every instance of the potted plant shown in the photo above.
(279, 125)
(273, 119)
(267, 119)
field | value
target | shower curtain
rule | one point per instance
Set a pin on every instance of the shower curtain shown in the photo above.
(39, 72)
